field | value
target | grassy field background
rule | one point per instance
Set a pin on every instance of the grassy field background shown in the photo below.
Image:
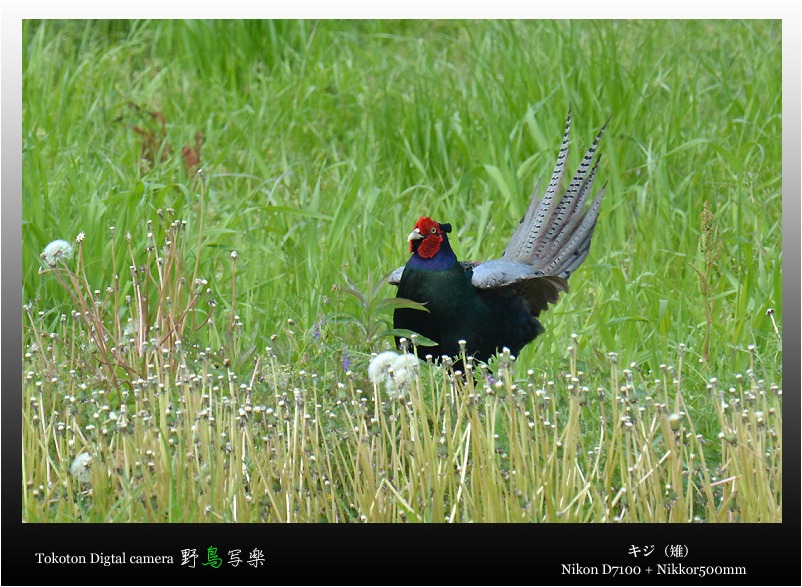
(320, 145)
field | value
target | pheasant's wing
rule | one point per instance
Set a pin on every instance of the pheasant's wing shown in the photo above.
(529, 284)
(555, 233)
(532, 285)
(395, 276)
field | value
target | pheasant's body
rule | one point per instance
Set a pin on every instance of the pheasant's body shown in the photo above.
(496, 304)
(458, 310)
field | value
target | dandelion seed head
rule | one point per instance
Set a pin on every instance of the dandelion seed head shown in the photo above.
(393, 370)
(405, 361)
(674, 420)
(81, 468)
(55, 251)
(379, 366)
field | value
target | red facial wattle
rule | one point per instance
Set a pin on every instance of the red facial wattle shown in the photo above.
(428, 236)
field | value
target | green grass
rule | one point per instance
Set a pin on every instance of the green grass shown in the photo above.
(322, 143)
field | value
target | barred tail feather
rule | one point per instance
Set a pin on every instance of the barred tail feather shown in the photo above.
(573, 254)
(524, 238)
(572, 217)
(555, 234)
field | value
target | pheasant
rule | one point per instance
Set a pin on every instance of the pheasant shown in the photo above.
(487, 306)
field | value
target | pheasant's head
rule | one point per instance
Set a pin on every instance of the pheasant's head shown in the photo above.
(427, 237)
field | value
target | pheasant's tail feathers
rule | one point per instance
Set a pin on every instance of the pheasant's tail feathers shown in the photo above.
(555, 234)
(523, 239)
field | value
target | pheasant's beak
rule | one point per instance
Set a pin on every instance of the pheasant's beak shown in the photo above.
(415, 235)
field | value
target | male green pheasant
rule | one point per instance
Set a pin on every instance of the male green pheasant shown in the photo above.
(496, 304)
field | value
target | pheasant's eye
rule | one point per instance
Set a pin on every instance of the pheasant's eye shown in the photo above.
(433, 230)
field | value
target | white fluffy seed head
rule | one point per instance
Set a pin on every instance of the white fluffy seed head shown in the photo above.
(380, 365)
(55, 251)
(394, 370)
(81, 467)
